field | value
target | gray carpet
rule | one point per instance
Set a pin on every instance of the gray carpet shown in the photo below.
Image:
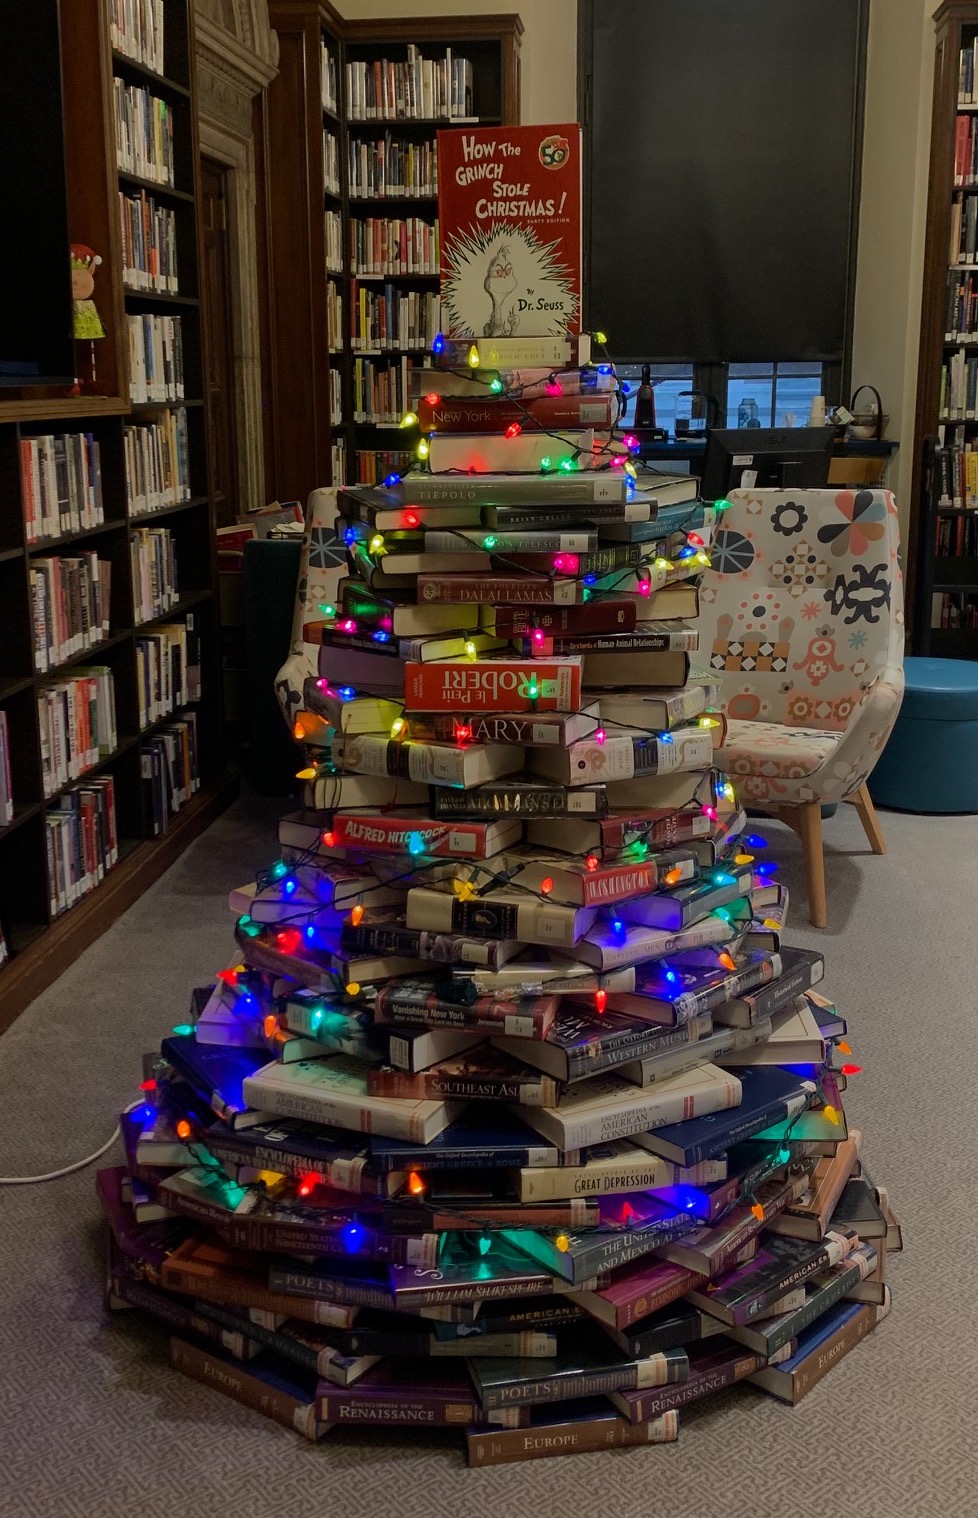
(95, 1425)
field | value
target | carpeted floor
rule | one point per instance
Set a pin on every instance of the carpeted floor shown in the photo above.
(95, 1425)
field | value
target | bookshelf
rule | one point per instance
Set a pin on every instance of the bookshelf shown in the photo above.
(943, 589)
(146, 503)
(336, 393)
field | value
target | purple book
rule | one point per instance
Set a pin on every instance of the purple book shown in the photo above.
(147, 1243)
(713, 1364)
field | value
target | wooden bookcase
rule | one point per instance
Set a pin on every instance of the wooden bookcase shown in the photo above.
(309, 410)
(943, 532)
(42, 945)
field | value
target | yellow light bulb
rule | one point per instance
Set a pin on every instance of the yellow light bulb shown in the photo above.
(832, 1115)
(352, 988)
(562, 1241)
(376, 544)
(398, 727)
(423, 449)
(743, 859)
(601, 339)
(473, 357)
(709, 722)
(631, 471)
(769, 922)
(409, 419)
(470, 648)
(306, 774)
(662, 564)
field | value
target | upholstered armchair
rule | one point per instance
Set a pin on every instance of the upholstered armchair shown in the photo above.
(802, 624)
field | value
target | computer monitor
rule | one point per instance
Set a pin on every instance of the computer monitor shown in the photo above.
(787, 458)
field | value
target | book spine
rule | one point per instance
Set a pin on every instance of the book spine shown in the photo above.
(656, 1370)
(558, 1182)
(646, 1300)
(389, 835)
(235, 1381)
(516, 685)
(432, 1085)
(507, 1446)
(569, 490)
(792, 1385)
(515, 590)
(530, 1020)
(423, 1410)
(513, 800)
(456, 414)
(659, 1400)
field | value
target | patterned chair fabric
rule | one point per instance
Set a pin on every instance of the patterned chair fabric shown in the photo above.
(322, 566)
(802, 623)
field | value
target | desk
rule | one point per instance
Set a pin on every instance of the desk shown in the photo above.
(853, 462)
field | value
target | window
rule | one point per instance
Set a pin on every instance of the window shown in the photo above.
(775, 395)
(668, 381)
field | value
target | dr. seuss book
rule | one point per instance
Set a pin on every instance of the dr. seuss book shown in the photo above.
(509, 208)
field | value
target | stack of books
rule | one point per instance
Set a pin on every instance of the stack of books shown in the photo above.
(514, 1113)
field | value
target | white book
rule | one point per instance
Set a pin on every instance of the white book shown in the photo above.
(428, 763)
(618, 1166)
(607, 1107)
(334, 1091)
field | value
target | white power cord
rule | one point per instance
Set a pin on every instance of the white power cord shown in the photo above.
(55, 1175)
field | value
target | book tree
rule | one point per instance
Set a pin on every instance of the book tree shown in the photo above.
(514, 1112)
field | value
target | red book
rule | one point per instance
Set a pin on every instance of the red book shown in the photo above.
(369, 831)
(493, 685)
(561, 621)
(456, 414)
(961, 155)
(509, 211)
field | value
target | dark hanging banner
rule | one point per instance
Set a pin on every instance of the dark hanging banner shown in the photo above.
(724, 139)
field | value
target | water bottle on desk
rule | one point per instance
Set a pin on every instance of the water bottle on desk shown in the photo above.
(747, 413)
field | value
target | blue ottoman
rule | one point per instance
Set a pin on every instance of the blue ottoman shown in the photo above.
(930, 763)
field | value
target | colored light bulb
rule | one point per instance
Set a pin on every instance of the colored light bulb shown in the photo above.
(489, 542)
(568, 464)
(409, 419)
(411, 519)
(758, 1212)
(852, 1069)
(709, 811)
(279, 868)
(727, 960)
(666, 738)
(470, 649)
(376, 543)
(310, 933)
(473, 357)
(328, 610)
(147, 1085)
(768, 868)
(356, 916)
(438, 344)
(423, 449)
(695, 539)
(183, 1129)
(618, 461)
(415, 844)
(352, 988)
(309, 773)
(618, 927)
(538, 637)
(672, 979)
(308, 1185)
(784, 1156)
(832, 1115)
(288, 940)
(270, 1025)
(562, 1242)
(348, 625)
(600, 999)
(600, 736)
(184, 1029)
(229, 977)
(380, 636)
(754, 842)
(415, 1184)
(645, 587)
(329, 839)
(722, 505)
(352, 1237)
(554, 387)
(513, 430)
(391, 480)
(743, 859)
(485, 1244)
(843, 1047)
(546, 463)
(591, 862)
(350, 536)
(496, 385)
(463, 732)
(547, 885)
(600, 339)
(673, 876)
(346, 692)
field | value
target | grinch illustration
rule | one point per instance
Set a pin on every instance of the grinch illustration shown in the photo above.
(87, 324)
(500, 286)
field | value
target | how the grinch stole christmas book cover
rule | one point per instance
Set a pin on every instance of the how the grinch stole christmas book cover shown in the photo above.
(509, 208)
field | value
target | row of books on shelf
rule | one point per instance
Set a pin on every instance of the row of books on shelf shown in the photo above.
(77, 725)
(967, 85)
(136, 30)
(6, 784)
(417, 89)
(331, 163)
(389, 245)
(334, 316)
(334, 242)
(337, 461)
(374, 464)
(143, 133)
(959, 387)
(961, 315)
(154, 572)
(149, 244)
(964, 230)
(70, 600)
(957, 536)
(156, 370)
(82, 842)
(157, 459)
(170, 772)
(335, 398)
(167, 669)
(387, 166)
(387, 318)
(954, 609)
(955, 482)
(329, 78)
(382, 389)
(61, 484)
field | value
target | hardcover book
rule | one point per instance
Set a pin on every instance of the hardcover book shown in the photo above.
(571, 1428)
(768, 1095)
(714, 1364)
(586, 1365)
(509, 209)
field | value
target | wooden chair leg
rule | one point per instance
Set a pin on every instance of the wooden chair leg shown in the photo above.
(810, 829)
(863, 803)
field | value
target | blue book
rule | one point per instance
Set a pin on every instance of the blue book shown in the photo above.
(491, 1142)
(216, 1073)
(769, 1095)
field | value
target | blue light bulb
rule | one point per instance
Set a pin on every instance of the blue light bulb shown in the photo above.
(392, 480)
(347, 692)
(381, 637)
(415, 844)
(666, 738)
(754, 842)
(288, 887)
(350, 536)
(352, 1237)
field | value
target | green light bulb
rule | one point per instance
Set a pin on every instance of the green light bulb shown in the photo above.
(496, 385)
(489, 542)
(183, 1030)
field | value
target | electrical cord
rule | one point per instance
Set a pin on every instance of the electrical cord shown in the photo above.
(55, 1175)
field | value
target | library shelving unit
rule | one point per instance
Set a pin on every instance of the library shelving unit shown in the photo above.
(316, 130)
(43, 937)
(943, 567)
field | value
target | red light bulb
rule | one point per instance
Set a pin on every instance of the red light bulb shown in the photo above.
(288, 940)
(411, 519)
(600, 1000)
(591, 861)
(329, 839)
(308, 1185)
(229, 977)
(147, 1085)
(513, 430)
(432, 398)
(852, 1069)
(463, 732)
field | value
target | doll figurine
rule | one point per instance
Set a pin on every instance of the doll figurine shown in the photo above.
(87, 324)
